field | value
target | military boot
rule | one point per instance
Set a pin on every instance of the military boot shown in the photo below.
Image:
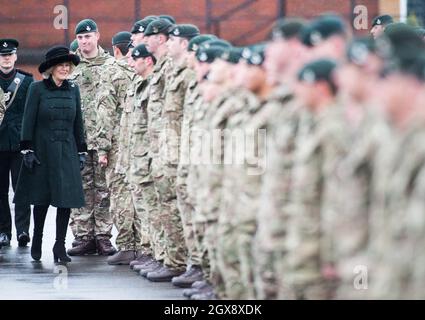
(192, 274)
(165, 274)
(144, 265)
(205, 295)
(121, 257)
(140, 260)
(156, 265)
(104, 246)
(77, 241)
(85, 247)
(196, 288)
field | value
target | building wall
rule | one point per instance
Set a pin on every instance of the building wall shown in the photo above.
(239, 21)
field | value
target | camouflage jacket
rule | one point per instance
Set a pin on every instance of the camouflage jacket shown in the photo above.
(139, 139)
(88, 77)
(110, 103)
(123, 162)
(155, 106)
(172, 117)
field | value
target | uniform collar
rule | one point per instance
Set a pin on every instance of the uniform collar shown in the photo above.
(51, 85)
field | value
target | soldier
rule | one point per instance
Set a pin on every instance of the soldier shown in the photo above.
(396, 264)
(318, 149)
(180, 88)
(14, 84)
(139, 27)
(204, 214)
(358, 78)
(328, 36)
(143, 193)
(92, 224)
(285, 54)
(110, 101)
(156, 36)
(379, 24)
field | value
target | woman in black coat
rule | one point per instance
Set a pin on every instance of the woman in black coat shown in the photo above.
(53, 144)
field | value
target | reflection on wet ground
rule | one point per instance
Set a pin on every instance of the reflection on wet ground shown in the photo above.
(88, 277)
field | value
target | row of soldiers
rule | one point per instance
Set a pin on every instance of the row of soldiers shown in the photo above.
(288, 169)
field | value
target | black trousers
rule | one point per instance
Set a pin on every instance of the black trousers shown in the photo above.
(10, 164)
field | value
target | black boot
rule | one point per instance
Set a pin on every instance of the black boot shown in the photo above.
(59, 251)
(40, 213)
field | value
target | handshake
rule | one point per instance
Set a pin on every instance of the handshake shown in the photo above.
(30, 159)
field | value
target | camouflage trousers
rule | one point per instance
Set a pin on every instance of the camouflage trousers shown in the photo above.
(186, 211)
(95, 218)
(266, 278)
(141, 218)
(172, 227)
(124, 215)
(245, 228)
(121, 207)
(206, 241)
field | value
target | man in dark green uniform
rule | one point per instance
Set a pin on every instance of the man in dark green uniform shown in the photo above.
(14, 85)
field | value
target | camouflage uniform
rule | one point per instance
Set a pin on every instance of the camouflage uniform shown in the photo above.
(356, 175)
(397, 270)
(165, 175)
(234, 112)
(308, 242)
(143, 193)
(281, 130)
(184, 204)
(94, 219)
(162, 121)
(199, 109)
(110, 102)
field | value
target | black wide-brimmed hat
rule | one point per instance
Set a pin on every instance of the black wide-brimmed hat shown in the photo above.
(56, 55)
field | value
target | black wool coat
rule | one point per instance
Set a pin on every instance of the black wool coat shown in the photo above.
(53, 127)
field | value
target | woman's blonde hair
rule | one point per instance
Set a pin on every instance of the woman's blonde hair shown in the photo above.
(46, 74)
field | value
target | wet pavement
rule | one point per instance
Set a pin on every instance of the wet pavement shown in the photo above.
(88, 277)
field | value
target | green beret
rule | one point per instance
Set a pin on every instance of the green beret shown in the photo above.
(288, 28)
(140, 26)
(8, 46)
(382, 20)
(187, 31)
(233, 55)
(208, 55)
(420, 31)
(195, 42)
(417, 68)
(324, 27)
(318, 70)
(158, 26)
(73, 45)
(121, 37)
(85, 26)
(405, 42)
(140, 51)
(359, 49)
(216, 43)
(167, 17)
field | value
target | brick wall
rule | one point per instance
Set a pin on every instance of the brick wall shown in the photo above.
(31, 21)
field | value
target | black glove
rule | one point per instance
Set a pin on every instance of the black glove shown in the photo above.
(30, 159)
(82, 158)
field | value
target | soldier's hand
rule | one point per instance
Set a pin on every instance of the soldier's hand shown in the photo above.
(103, 161)
(82, 159)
